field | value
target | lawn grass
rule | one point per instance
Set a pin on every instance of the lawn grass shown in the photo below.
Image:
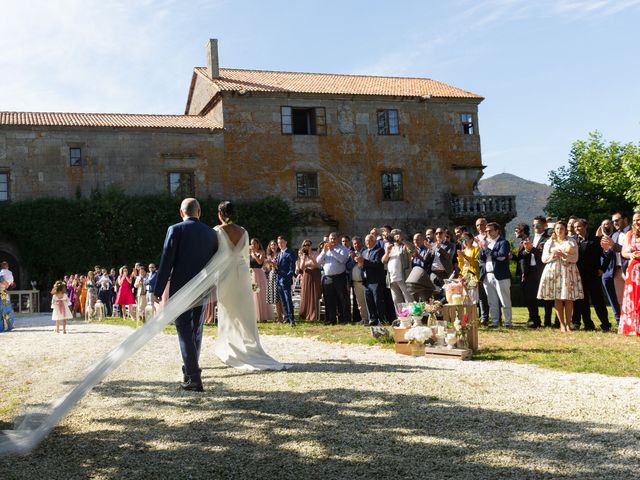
(585, 352)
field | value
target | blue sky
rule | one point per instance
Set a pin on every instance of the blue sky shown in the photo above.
(551, 71)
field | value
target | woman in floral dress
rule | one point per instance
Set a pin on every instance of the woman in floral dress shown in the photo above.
(560, 280)
(630, 310)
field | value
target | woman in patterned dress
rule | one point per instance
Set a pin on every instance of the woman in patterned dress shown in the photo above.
(560, 280)
(272, 278)
(630, 311)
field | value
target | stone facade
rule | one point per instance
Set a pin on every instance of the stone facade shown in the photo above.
(136, 161)
(232, 143)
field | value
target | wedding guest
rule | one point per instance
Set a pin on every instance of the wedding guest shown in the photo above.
(589, 265)
(333, 259)
(124, 297)
(257, 257)
(397, 256)
(481, 224)
(529, 269)
(150, 282)
(374, 281)
(442, 252)
(310, 283)
(286, 269)
(560, 280)
(468, 258)
(273, 298)
(418, 281)
(105, 287)
(7, 275)
(7, 317)
(614, 265)
(495, 274)
(570, 226)
(92, 293)
(60, 306)
(357, 282)
(140, 292)
(81, 292)
(630, 311)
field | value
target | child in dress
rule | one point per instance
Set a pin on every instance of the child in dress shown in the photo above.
(60, 306)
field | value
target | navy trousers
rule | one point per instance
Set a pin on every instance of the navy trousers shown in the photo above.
(284, 290)
(189, 327)
(610, 288)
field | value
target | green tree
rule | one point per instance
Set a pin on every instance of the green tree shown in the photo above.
(578, 188)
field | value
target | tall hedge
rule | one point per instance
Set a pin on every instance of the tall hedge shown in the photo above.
(59, 236)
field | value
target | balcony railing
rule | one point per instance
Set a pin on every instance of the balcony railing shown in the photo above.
(494, 207)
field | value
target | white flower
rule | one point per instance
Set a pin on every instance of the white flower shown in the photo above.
(418, 334)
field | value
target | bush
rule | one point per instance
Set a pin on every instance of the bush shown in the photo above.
(59, 236)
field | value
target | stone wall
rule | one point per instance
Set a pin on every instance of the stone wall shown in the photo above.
(260, 160)
(135, 160)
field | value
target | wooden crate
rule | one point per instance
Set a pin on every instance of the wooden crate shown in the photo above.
(444, 352)
(451, 312)
(403, 348)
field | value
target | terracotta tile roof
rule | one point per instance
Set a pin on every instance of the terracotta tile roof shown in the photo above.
(232, 79)
(106, 120)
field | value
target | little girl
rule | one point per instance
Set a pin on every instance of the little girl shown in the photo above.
(60, 306)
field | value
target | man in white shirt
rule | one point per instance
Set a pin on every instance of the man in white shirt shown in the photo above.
(333, 259)
(6, 273)
(397, 256)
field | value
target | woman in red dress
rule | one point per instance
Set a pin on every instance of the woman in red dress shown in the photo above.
(630, 311)
(124, 296)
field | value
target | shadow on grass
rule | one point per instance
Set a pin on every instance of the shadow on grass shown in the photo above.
(324, 434)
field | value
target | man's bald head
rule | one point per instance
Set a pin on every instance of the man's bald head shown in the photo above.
(190, 208)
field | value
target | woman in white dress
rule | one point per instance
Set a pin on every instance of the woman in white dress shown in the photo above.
(238, 343)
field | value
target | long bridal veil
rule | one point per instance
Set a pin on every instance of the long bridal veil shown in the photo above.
(36, 425)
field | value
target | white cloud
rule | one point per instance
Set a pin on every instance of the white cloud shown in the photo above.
(76, 55)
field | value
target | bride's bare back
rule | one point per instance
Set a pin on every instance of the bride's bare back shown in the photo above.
(234, 232)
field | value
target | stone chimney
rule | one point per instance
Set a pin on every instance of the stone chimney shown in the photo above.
(212, 58)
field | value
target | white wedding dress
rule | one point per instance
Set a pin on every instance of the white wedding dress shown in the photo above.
(238, 342)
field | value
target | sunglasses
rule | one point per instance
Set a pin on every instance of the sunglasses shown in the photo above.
(616, 220)
(306, 244)
(537, 225)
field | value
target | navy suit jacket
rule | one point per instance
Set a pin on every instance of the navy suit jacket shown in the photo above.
(373, 267)
(286, 267)
(500, 267)
(188, 247)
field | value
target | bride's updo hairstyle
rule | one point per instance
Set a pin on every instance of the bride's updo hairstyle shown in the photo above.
(227, 211)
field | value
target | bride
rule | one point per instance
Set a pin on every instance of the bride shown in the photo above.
(238, 343)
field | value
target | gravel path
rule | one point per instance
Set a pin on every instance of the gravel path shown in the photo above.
(341, 412)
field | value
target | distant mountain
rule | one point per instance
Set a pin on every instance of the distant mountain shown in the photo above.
(531, 197)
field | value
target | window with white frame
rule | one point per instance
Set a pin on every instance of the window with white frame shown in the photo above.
(392, 186)
(388, 122)
(466, 121)
(303, 120)
(75, 156)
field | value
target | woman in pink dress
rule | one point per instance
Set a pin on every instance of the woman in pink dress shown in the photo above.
(124, 296)
(310, 286)
(630, 311)
(257, 257)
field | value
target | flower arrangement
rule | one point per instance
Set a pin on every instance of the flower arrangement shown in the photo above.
(461, 327)
(433, 307)
(419, 335)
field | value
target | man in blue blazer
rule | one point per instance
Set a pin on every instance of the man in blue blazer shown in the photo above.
(188, 247)
(495, 274)
(614, 265)
(286, 269)
(375, 278)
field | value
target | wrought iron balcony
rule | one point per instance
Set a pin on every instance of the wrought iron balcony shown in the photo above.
(498, 208)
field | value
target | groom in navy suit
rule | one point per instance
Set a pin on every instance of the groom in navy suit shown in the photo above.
(188, 247)
(286, 269)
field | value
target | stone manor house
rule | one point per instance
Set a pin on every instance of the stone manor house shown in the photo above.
(347, 152)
